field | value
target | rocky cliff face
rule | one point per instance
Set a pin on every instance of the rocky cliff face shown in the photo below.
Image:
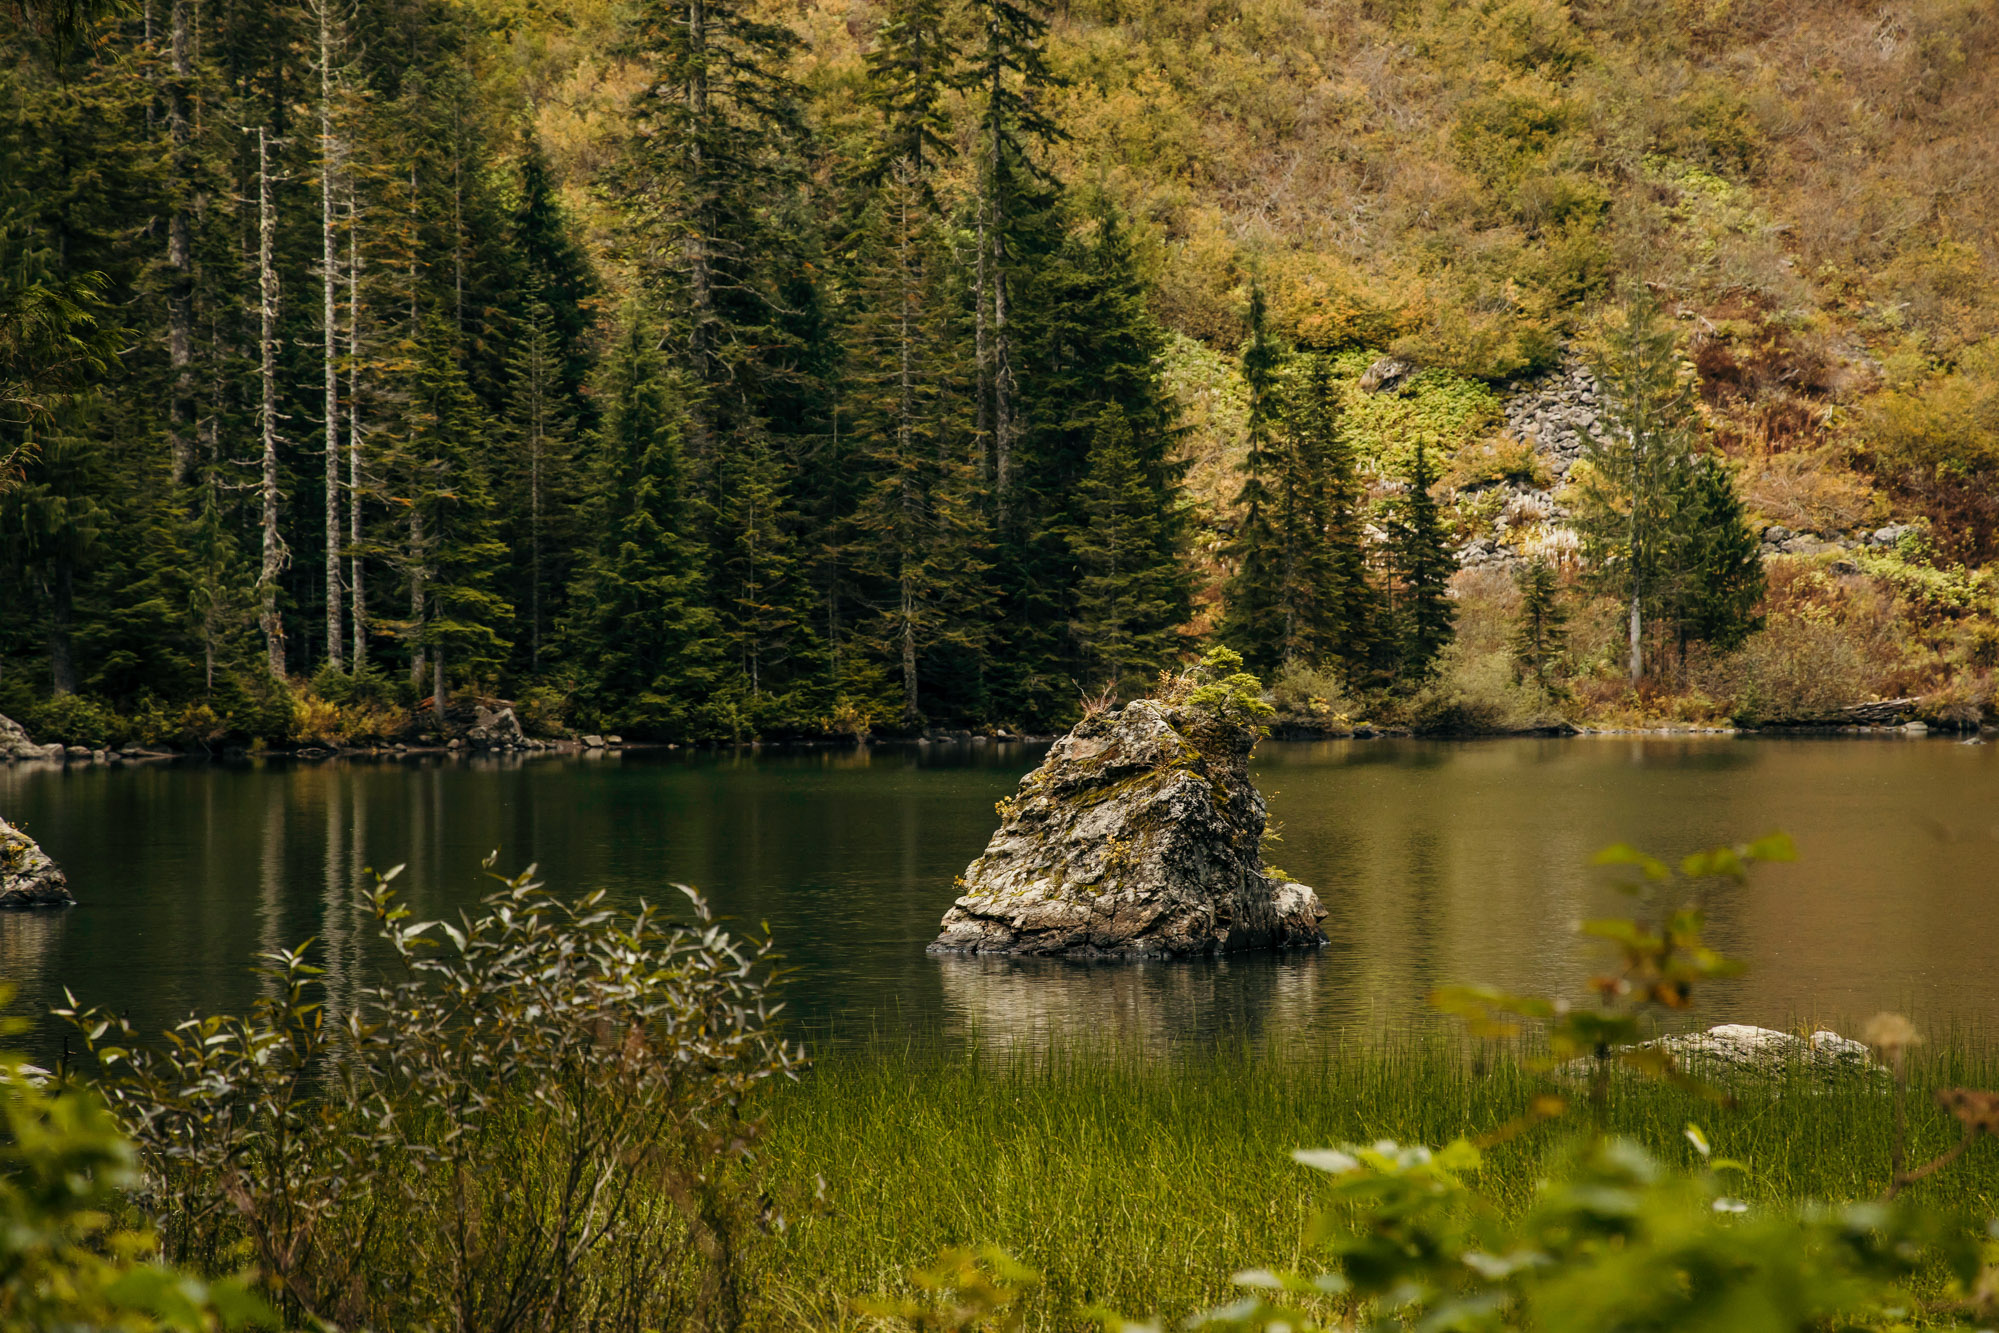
(1138, 836)
(28, 878)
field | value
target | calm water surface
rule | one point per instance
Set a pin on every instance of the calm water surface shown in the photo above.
(1439, 862)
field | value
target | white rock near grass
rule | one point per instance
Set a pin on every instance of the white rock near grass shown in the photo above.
(1740, 1051)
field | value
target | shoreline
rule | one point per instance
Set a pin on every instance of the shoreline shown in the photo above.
(78, 756)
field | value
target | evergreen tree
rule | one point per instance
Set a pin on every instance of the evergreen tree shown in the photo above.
(639, 634)
(1540, 630)
(1721, 565)
(1254, 596)
(1088, 341)
(1129, 601)
(538, 431)
(1011, 78)
(1629, 510)
(1420, 554)
(554, 270)
(1349, 631)
(455, 555)
(916, 525)
(707, 191)
(911, 71)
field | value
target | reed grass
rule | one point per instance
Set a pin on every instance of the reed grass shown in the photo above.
(1140, 1182)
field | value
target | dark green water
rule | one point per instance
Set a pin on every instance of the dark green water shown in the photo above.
(1439, 862)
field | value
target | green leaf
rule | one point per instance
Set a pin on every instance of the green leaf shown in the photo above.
(1624, 854)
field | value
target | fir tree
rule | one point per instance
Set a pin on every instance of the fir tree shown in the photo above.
(456, 554)
(911, 71)
(538, 429)
(1254, 596)
(1629, 510)
(643, 642)
(1012, 78)
(1129, 601)
(916, 524)
(1721, 566)
(1420, 554)
(1349, 632)
(1540, 630)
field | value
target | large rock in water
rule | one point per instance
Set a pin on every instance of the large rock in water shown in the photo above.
(28, 878)
(1139, 836)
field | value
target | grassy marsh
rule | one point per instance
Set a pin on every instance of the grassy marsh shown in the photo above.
(1141, 1183)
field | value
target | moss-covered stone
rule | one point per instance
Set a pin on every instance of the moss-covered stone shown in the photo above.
(1138, 836)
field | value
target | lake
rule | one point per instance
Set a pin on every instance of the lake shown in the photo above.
(1438, 861)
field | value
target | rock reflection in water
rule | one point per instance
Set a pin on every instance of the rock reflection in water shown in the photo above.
(1157, 1006)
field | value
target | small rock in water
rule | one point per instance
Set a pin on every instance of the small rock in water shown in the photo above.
(1139, 836)
(28, 878)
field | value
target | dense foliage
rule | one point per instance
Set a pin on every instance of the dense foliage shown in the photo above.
(541, 1123)
(711, 371)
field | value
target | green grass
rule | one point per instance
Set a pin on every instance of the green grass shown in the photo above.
(1142, 1183)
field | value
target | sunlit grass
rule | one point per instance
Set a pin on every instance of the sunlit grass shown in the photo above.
(1141, 1183)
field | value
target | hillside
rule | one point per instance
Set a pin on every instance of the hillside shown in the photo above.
(1460, 197)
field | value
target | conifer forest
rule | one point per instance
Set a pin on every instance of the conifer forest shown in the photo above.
(729, 369)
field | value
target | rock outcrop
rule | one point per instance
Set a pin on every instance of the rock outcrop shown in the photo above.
(1139, 836)
(28, 878)
(14, 743)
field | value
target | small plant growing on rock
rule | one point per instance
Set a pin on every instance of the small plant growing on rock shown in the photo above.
(1218, 686)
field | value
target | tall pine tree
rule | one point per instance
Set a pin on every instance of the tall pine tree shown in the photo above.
(640, 635)
(1420, 556)
(1131, 596)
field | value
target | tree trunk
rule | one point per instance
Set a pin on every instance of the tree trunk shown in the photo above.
(62, 604)
(357, 603)
(329, 280)
(535, 446)
(700, 272)
(180, 250)
(1637, 641)
(417, 626)
(437, 682)
(273, 564)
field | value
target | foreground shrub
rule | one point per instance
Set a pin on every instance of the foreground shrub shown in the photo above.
(540, 1125)
(65, 1262)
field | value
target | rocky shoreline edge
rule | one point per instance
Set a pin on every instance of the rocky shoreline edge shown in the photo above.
(15, 747)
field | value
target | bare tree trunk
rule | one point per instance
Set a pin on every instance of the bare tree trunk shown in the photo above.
(1000, 355)
(700, 272)
(1637, 640)
(274, 553)
(329, 280)
(357, 602)
(180, 250)
(982, 356)
(62, 603)
(906, 447)
(416, 570)
(437, 682)
(535, 446)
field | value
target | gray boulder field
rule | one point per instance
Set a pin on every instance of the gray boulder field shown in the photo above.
(1139, 836)
(28, 878)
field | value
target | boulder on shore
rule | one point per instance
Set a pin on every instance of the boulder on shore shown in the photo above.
(28, 878)
(1139, 836)
(14, 742)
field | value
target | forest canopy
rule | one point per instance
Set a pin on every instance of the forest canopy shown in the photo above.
(760, 369)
